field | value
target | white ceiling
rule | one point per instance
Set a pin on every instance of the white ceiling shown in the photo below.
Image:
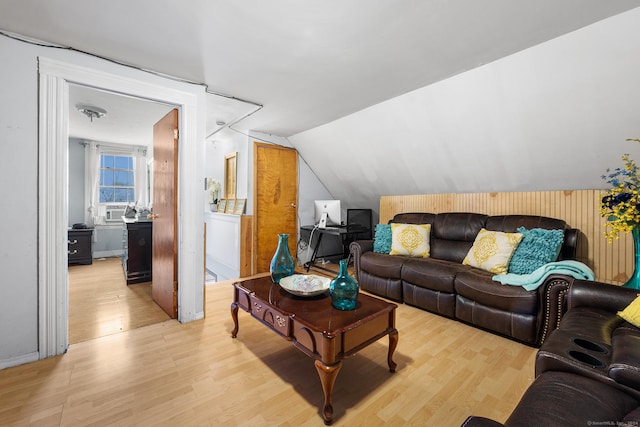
(127, 120)
(307, 62)
(130, 120)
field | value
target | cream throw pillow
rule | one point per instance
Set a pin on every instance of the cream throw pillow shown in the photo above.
(410, 239)
(492, 250)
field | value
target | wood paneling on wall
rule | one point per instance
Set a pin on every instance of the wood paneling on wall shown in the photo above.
(612, 263)
(246, 245)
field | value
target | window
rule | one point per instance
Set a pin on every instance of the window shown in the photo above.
(116, 179)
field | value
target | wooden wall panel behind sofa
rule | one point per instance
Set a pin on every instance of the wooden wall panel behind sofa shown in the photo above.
(612, 263)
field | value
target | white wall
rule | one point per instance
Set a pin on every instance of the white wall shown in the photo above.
(220, 145)
(19, 168)
(552, 117)
(76, 181)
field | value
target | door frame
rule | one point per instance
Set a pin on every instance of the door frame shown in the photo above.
(53, 146)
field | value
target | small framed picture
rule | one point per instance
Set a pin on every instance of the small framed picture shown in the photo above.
(231, 206)
(222, 205)
(240, 204)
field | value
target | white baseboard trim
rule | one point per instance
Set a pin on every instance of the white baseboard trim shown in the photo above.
(107, 254)
(19, 360)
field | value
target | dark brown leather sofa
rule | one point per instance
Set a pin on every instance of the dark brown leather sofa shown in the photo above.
(588, 370)
(442, 284)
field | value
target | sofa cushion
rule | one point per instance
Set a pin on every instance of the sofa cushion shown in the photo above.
(414, 218)
(537, 248)
(476, 285)
(382, 265)
(492, 250)
(410, 239)
(382, 239)
(566, 399)
(443, 303)
(385, 287)
(624, 367)
(452, 234)
(430, 273)
(510, 223)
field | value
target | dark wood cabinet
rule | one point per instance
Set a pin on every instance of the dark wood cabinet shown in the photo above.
(137, 258)
(79, 246)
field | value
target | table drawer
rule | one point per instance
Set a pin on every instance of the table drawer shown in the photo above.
(279, 322)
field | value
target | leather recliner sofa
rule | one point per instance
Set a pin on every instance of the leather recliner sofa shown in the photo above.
(442, 284)
(588, 370)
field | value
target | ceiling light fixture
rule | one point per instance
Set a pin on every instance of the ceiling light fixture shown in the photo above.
(91, 111)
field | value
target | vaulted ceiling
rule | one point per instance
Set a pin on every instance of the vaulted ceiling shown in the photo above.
(306, 62)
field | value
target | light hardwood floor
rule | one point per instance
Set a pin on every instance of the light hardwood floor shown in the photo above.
(195, 374)
(101, 303)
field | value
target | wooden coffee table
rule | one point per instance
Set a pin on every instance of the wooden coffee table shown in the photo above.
(316, 328)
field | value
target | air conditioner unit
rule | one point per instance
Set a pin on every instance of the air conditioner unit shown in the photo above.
(114, 213)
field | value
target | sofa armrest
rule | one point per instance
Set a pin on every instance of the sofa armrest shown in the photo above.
(480, 422)
(608, 297)
(553, 303)
(357, 248)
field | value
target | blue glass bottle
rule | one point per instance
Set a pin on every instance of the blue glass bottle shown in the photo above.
(282, 262)
(344, 289)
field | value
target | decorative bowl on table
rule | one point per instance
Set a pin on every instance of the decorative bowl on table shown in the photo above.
(305, 285)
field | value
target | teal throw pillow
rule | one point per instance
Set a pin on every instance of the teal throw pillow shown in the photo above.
(538, 247)
(382, 240)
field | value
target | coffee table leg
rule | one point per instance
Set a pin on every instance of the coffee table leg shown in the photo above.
(234, 316)
(328, 376)
(393, 342)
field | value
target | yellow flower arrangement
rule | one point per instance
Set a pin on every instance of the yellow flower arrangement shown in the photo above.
(621, 205)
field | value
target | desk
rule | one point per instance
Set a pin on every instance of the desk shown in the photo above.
(343, 232)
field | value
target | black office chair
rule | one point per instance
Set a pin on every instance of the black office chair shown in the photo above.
(359, 227)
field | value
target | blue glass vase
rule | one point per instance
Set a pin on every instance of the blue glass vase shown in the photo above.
(344, 289)
(634, 280)
(282, 262)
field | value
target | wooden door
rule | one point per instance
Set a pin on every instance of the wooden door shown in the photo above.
(275, 200)
(164, 289)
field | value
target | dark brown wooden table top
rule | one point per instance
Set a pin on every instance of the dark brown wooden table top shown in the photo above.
(316, 313)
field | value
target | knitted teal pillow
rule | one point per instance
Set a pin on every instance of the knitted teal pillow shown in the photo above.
(382, 240)
(538, 247)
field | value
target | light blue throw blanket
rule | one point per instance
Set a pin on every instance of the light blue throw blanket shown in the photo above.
(534, 279)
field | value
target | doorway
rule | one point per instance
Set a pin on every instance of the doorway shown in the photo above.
(54, 79)
(119, 143)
